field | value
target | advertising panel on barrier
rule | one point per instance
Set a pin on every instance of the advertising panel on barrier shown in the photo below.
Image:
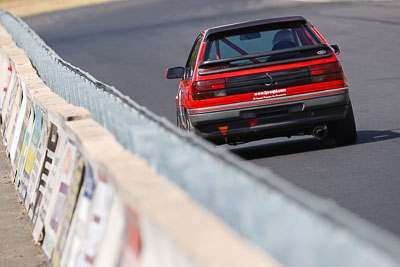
(52, 143)
(80, 219)
(72, 198)
(101, 204)
(52, 179)
(8, 114)
(31, 154)
(109, 249)
(20, 109)
(20, 141)
(132, 247)
(26, 137)
(55, 211)
(4, 61)
(38, 163)
(10, 122)
(8, 98)
(6, 79)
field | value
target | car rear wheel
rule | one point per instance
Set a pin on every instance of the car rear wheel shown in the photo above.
(178, 121)
(344, 131)
(183, 122)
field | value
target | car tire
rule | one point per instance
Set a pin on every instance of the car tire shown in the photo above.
(184, 125)
(178, 121)
(188, 123)
(344, 131)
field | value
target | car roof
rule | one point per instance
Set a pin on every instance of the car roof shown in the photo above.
(240, 25)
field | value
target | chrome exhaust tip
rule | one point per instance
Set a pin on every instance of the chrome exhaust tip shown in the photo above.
(320, 132)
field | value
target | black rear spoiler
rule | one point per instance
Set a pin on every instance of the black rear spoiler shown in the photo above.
(303, 53)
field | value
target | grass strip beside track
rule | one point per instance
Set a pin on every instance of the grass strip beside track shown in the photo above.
(34, 7)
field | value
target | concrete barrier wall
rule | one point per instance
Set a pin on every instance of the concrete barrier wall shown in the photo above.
(90, 201)
(285, 222)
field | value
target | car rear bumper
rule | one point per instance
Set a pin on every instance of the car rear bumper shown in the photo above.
(273, 117)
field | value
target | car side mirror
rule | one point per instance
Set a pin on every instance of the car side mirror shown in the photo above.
(336, 49)
(175, 73)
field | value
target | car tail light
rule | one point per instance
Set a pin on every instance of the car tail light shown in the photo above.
(208, 89)
(327, 72)
(216, 68)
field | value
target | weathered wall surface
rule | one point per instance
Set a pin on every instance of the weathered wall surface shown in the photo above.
(90, 201)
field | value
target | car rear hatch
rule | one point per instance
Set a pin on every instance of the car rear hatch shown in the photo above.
(267, 81)
(287, 48)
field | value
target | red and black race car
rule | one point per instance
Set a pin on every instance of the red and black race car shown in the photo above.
(263, 79)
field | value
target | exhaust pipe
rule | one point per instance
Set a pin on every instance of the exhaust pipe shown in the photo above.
(320, 132)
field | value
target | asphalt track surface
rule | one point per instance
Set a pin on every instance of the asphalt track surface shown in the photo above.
(129, 44)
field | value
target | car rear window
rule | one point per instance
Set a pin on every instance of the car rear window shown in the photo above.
(260, 40)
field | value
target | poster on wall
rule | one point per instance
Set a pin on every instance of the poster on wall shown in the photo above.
(6, 83)
(10, 107)
(56, 206)
(132, 247)
(109, 249)
(37, 167)
(21, 144)
(31, 154)
(4, 60)
(15, 125)
(72, 197)
(9, 98)
(102, 200)
(26, 139)
(43, 179)
(80, 219)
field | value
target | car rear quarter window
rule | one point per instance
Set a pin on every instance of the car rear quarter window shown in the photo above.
(191, 61)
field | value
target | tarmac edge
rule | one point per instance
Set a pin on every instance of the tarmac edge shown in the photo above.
(17, 247)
